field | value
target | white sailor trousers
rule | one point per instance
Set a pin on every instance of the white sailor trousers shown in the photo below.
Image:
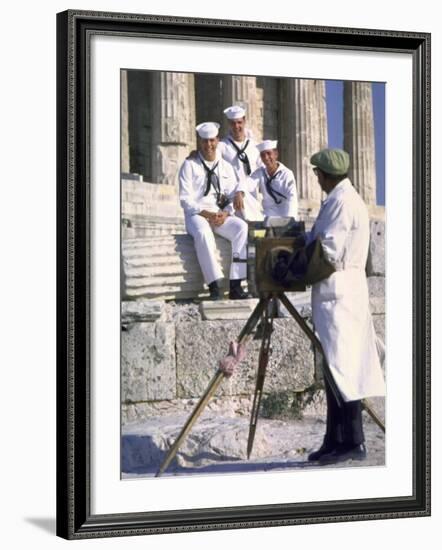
(234, 230)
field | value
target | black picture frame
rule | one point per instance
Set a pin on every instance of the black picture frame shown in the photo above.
(74, 517)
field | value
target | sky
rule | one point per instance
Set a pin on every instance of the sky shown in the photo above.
(335, 120)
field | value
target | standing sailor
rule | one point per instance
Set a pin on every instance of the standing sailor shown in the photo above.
(340, 307)
(239, 149)
(275, 182)
(206, 187)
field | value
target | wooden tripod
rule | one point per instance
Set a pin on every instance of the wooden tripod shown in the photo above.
(263, 311)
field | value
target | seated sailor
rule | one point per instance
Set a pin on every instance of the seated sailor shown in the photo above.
(275, 182)
(206, 187)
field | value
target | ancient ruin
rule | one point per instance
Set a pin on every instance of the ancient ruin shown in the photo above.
(171, 345)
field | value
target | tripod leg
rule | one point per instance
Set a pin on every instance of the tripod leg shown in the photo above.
(211, 389)
(315, 341)
(262, 366)
(367, 406)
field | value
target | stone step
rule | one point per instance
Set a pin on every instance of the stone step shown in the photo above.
(166, 267)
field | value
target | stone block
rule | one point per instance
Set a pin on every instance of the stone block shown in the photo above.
(377, 305)
(201, 345)
(376, 254)
(141, 310)
(376, 286)
(379, 326)
(148, 366)
(227, 309)
(302, 301)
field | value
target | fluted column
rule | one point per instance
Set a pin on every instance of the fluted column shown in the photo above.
(125, 153)
(241, 90)
(359, 138)
(173, 124)
(303, 131)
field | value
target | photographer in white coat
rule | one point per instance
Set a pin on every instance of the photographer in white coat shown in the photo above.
(206, 187)
(340, 306)
(275, 182)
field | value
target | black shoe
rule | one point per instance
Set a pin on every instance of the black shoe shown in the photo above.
(323, 450)
(214, 291)
(343, 453)
(236, 291)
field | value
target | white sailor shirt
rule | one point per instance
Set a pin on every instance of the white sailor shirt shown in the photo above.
(193, 185)
(279, 195)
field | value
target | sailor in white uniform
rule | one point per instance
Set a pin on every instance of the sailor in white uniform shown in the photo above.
(206, 187)
(275, 182)
(340, 307)
(239, 149)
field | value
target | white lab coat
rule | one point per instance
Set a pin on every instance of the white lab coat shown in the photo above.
(340, 303)
(283, 183)
(192, 185)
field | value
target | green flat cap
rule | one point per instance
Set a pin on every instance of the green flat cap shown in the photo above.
(332, 161)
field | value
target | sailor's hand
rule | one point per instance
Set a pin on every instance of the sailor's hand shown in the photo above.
(238, 201)
(220, 218)
(209, 216)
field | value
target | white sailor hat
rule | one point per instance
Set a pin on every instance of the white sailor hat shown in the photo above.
(234, 112)
(207, 130)
(266, 145)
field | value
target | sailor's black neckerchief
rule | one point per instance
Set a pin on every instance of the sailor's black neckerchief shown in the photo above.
(242, 155)
(212, 179)
(268, 183)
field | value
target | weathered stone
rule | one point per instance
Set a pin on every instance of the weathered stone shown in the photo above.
(290, 365)
(228, 406)
(241, 90)
(359, 138)
(302, 301)
(166, 267)
(376, 286)
(148, 367)
(227, 309)
(155, 201)
(182, 313)
(376, 255)
(173, 123)
(379, 326)
(217, 444)
(303, 130)
(213, 438)
(141, 310)
(377, 305)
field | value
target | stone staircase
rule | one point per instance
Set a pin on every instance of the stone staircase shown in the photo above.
(165, 267)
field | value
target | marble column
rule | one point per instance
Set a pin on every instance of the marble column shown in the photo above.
(303, 131)
(268, 103)
(125, 154)
(359, 138)
(208, 93)
(241, 90)
(173, 124)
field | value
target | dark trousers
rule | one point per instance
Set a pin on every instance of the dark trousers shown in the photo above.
(344, 424)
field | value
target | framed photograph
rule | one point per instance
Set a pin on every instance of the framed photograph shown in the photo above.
(190, 392)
